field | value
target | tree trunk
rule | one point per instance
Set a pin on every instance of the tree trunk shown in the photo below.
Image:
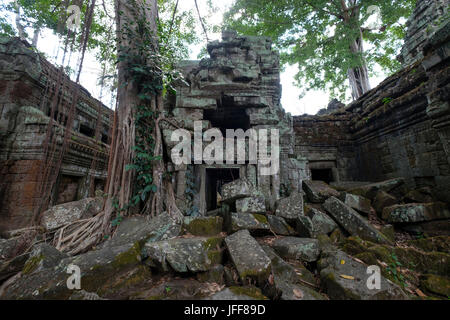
(358, 76)
(19, 26)
(120, 180)
(37, 30)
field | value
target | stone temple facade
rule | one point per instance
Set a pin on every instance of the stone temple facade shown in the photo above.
(238, 87)
(27, 85)
(400, 129)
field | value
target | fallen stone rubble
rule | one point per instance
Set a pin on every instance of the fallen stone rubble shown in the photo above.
(314, 246)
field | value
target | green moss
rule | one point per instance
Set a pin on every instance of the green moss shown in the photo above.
(248, 291)
(437, 284)
(367, 257)
(32, 264)
(259, 275)
(213, 248)
(128, 257)
(261, 219)
(355, 245)
(441, 244)
(204, 226)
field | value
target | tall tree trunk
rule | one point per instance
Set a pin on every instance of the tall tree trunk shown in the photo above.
(19, 26)
(358, 76)
(120, 180)
(37, 30)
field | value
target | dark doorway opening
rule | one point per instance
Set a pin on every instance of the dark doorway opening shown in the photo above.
(228, 118)
(84, 129)
(215, 179)
(325, 175)
(67, 189)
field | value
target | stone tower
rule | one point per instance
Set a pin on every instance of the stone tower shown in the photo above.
(428, 16)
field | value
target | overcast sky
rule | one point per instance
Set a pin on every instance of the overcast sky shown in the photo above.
(310, 103)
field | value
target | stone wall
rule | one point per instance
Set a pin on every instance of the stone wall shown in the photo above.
(399, 129)
(426, 18)
(27, 85)
(238, 87)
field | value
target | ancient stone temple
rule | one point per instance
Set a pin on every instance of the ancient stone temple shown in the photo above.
(238, 87)
(27, 82)
(399, 129)
(362, 189)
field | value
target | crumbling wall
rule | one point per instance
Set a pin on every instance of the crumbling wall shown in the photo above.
(238, 87)
(427, 16)
(27, 85)
(399, 129)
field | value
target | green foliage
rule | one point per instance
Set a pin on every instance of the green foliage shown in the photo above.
(393, 267)
(152, 69)
(317, 34)
(387, 100)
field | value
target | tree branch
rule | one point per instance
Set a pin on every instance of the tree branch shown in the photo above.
(201, 21)
(173, 19)
(324, 10)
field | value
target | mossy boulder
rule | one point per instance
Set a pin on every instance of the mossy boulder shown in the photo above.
(237, 189)
(184, 254)
(314, 223)
(102, 271)
(255, 223)
(62, 214)
(203, 226)
(344, 278)
(383, 200)
(353, 222)
(143, 229)
(292, 279)
(440, 244)
(303, 249)
(279, 226)
(250, 260)
(238, 293)
(318, 191)
(290, 208)
(416, 212)
(359, 203)
(393, 186)
(42, 256)
(251, 205)
(434, 284)
(411, 258)
(215, 275)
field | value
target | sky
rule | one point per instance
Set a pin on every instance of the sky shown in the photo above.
(311, 103)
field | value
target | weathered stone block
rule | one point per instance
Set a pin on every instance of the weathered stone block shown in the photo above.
(196, 103)
(253, 222)
(303, 249)
(352, 222)
(279, 226)
(203, 226)
(237, 189)
(416, 212)
(251, 205)
(62, 214)
(318, 191)
(184, 254)
(249, 258)
(383, 200)
(290, 208)
(344, 278)
(358, 203)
